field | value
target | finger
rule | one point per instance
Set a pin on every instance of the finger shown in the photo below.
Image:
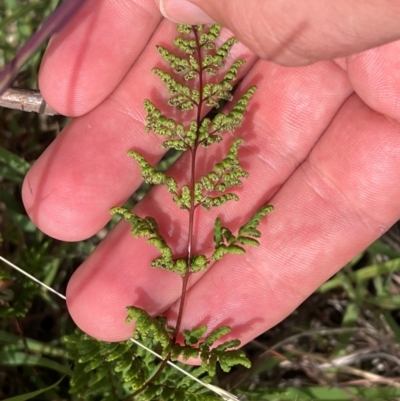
(70, 189)
(280, 129)
(339, 201)
(88, 58)
(292, 32)
(375, 77)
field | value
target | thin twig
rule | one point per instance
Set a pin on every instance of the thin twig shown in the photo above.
(26, 100)
(372, 377)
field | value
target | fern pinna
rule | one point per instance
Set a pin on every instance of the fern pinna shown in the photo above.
(204, 86)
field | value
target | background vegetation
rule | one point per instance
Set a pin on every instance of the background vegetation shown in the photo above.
(343, 343)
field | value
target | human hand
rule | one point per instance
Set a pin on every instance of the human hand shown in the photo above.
(323, 139)
(295, 33)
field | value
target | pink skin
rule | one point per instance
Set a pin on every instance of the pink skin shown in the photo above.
(322, 145)
(293, 32)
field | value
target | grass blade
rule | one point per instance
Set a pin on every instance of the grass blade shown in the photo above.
(28, 396)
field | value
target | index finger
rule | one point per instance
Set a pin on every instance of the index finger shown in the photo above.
(88, 58)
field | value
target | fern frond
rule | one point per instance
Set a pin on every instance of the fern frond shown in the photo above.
(214, 336)
(178, 64)
(182, 97)
(192, 337)
(183, 200)
(209, 37)
(151, 176)
(198, 262)
(215, 201)
(221, 354)
(146, 325)
(118, 370)
(226, 242)
(184, 28)
(233, 120)
(161, 125)
(147, 227)
(223, 51)
(189, 46)
(226, 174)
(102, 376)
(199, 60)
(250, 228)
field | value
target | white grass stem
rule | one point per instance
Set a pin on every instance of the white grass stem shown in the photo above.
(32, 278)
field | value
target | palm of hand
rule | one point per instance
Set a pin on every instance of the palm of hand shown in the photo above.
(323, 140)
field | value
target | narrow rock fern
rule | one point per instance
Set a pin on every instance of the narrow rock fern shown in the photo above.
(112, 371)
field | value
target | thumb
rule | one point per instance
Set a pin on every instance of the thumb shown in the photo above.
(293, 32)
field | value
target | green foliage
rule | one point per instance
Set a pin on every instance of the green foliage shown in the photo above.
(226, 242)
(224, 356)
(146, 325)
(151, 175)
(34, 394)
(196, 83)
(15, 299)
(109, 370)
(114, 371)
(12, 167)
(148, 228)
(232, 120)
(167, 127)
(225, 175)
(155, 328)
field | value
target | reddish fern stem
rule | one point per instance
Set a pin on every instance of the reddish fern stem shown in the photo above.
(193, 152)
